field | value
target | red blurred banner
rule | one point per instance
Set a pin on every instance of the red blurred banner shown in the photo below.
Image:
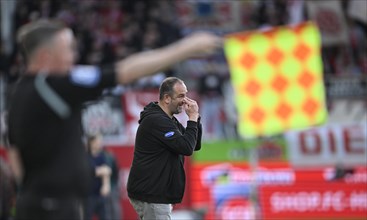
(314, 200)
(227, 191)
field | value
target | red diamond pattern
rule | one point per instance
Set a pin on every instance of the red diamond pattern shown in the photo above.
(253, 87)
(270, 33)
(310, 107)
(241, 37)
(275, 56)
(306, 79)
(284, 111)
(257, 115)
(302, 51)
(248, 60)
(279, 83)
(300, 28)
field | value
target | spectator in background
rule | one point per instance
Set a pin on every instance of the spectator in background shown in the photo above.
(104, 200)
(45, 106)
(113, 203)
(101, 184)
(157, 176)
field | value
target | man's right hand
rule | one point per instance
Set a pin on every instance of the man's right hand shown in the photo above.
(191, 109)
(202, 43)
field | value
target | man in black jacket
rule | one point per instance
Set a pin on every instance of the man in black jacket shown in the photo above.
(157, 176)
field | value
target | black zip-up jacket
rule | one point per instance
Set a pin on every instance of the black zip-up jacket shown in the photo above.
(157, 174)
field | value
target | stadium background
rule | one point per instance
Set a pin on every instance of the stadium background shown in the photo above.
(319, 172)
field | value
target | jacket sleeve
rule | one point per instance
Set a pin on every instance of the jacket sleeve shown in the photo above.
(83, 83)
(170, 137)
(200, 134)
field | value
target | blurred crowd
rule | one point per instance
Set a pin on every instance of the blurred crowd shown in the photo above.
(105, 30)
(110, 30)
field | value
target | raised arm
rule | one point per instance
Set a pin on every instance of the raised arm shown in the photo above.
(146, 63)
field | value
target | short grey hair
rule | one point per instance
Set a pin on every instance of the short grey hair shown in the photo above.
(33, 35)
(167, 86)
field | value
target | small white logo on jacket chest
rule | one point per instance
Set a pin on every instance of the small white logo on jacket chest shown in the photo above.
(169, 134)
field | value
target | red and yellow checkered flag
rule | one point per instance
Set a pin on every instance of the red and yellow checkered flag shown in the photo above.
(277, 78)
